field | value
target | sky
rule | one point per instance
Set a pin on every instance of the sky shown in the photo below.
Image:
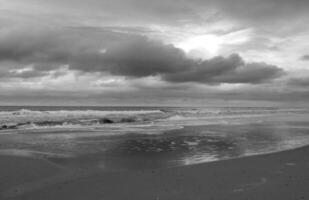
(163, 52)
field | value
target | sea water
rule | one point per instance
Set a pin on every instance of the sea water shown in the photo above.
(131, 138)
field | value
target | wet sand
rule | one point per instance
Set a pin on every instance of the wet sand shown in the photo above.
(282, 176)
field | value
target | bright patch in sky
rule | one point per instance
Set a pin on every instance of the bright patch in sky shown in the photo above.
(203, 46)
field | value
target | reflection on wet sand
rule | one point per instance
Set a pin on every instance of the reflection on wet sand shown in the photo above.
(190, 145)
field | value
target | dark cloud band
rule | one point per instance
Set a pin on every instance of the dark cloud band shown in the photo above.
(127, 55)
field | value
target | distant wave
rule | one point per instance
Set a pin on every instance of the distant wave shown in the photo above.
(35, 119)
(77, 112)
(25, 119)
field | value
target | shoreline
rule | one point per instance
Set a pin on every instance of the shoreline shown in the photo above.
(281, 175)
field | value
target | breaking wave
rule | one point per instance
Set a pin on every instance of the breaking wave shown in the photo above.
(25, 119)
(68, 118)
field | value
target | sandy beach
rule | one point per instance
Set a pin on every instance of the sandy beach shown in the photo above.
(282, 175)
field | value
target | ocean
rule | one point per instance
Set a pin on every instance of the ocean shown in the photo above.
(132, 138)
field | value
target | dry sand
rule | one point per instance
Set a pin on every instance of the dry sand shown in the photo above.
(278, 176)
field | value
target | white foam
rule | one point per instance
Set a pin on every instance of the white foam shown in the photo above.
(72, 119)
(69, 118)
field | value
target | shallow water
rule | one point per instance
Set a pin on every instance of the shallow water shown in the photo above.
(188, 138)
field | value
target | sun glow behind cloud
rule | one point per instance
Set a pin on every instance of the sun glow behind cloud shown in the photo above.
(203, 46)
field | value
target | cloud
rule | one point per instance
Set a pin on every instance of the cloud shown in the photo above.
(191, 94)
(100, 50)
(304, 57)
(227, 70)
(263, 10)
(136, 57)
(46, 49)
(143, 57)
(106, 12)
(299, 82)
(172, 12)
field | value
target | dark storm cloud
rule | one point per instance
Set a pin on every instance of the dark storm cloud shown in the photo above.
(46, 49)
(143, 57)
(52, 45)
(227, 70)
(138, 57)
(126, 55)
(305, 57)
